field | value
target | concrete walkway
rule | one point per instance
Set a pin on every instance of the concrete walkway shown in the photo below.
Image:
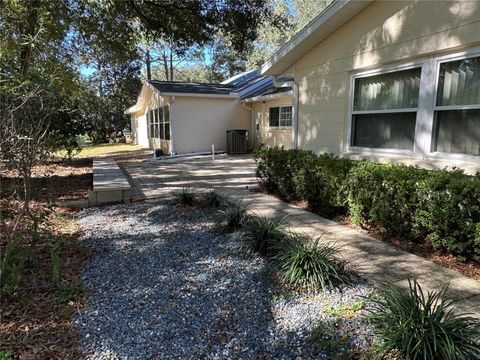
(110, 185)
(376, 260)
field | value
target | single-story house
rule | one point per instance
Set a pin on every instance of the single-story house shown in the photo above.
(388, 81)
(378, 80)
(184, 118)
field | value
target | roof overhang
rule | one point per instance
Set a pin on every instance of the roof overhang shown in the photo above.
(142, 98)
(204, 95)
(337, 14)
(268, 97)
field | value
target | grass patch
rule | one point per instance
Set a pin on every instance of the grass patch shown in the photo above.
(99, 150)
(70, 292)
(423, 326)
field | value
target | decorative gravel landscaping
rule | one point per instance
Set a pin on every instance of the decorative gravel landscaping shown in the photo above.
(162, 283)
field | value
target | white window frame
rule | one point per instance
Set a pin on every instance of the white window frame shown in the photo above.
(279, 127)
(363, 74)
(474, 52)
(423, 141)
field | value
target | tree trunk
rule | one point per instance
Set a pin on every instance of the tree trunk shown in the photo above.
(171, 64)
(148, 62)
(165, 65)
(29, 32)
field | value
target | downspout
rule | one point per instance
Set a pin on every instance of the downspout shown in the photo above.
(294, 87)
(252, 121)
(172, 126)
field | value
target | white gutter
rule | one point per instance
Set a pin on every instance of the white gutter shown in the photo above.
(268, 97)
(277, 83)
(222, 96)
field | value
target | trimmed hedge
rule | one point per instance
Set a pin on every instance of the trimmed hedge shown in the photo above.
(319, 179)
(435, 205)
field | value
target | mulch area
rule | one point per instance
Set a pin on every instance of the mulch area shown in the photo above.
(36, 319)
(56, 179)
(470, 269)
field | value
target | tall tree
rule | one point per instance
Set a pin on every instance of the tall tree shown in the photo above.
(270, 37)
(166, 59)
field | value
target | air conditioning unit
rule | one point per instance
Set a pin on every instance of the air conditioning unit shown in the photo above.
(237, 141)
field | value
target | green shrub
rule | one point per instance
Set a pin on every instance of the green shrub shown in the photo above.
(186, 197)
(212, 199)
(448, 213)
(275, 169)
(423, 327)
(384, 195)
(319, 179)
(264, 234)
(313, 265)
(438, 206)
(234, 217)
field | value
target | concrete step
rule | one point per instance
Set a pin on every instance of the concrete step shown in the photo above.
(110, 185)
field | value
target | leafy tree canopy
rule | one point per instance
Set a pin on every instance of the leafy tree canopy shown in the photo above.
(59, 38)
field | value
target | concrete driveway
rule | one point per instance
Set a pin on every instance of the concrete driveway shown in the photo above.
(160, 178)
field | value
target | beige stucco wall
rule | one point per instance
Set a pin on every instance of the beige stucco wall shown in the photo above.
(271, 136)
(200, 122)
(386, 32)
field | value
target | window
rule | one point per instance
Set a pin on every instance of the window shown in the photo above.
(152, 121)
(456, 126)
(385, 110)
(159, 120)
(280, 116)
(161, 130)
(166, 116)
(410, 110)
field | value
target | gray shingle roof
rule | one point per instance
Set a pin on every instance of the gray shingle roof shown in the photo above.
(191, 88)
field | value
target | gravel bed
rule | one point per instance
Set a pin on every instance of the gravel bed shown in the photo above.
(162, 285)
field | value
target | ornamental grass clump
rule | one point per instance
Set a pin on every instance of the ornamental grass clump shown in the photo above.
(312, 265)
(186, 197)
(264, 235)
(423, 326)
(212, 199)
(234, 217)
